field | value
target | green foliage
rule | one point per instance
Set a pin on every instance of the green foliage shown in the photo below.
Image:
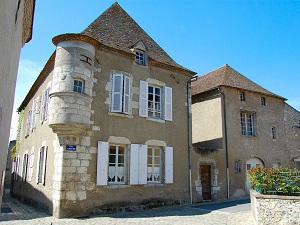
(282, 181)
(16, 149)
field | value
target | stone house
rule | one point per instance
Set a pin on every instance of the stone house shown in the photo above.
(292, 127)
(16, 22)
(237, 125)
(105, 124)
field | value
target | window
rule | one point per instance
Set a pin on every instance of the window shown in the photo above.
(41, 169)
(15, 170)
(273, 132)
(237, 166)
(30, 170)
(34, 112)
(78, 86)
(297, 163)
(24, 169)
(242, 96)
(263, 101)
(147, 164)
(248, 124)
(116, 164)
(45, 105)
(155, 102)
(120, 94)
(140, 57)
(154, 165)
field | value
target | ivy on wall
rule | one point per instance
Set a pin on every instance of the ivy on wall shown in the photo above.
(15, 149)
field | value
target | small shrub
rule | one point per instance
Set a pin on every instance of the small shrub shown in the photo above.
(282, 181)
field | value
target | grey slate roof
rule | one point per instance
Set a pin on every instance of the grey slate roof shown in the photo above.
(115, 28)
(227, 76)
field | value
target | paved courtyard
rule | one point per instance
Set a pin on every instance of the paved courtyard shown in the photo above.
(235, 212)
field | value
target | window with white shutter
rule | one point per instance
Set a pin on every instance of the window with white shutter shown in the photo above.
(155, 101)
(30, 170)
(45, 105)
(41, 169)
(120, 94)
(34, 112)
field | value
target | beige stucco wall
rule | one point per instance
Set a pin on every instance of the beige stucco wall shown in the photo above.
(38, 195)
(207, 121)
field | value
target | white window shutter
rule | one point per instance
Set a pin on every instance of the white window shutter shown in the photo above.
(126, 96)
(38, 166)
(102, 163)
(168, 165)
(116, 93)
(33, 115)
(134, 164)
(42, 107)
(168, 103)
(143, 164)
(44, 165)
(143, 99)
(47, 101)
(30, 172)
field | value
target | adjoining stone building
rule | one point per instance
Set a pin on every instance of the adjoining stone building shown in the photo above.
(105, 124)
(237, 125)
(16, 22)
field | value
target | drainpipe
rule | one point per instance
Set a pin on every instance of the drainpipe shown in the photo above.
(189, 105)
(225, 136)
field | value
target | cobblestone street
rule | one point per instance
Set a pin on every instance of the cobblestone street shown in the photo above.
(15, 212)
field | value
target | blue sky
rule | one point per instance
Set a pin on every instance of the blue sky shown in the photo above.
(258, 38)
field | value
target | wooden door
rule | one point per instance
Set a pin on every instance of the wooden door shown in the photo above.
(205, 171)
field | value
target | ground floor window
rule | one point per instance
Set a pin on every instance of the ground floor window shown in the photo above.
(116, 166)
(24, 169)
(154, 164)
(41, 170)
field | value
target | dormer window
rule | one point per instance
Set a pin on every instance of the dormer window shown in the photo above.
(78, 86)
(140, 57)
(242, 96)
(140, 51)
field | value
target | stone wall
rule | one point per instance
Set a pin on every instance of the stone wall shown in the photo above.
(275, 209)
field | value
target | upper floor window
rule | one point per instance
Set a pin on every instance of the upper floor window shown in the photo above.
(140, 57)
(263, 101)
(45, 105)
(78, 86)
(155, 102)
(28, 122)
(120, 94)
(248, 124)
(154, 164)
(273, 132)
(242, 96)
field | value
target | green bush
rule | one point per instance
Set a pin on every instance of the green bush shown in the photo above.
(282, 181)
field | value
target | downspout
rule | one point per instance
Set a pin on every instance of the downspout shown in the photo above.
(225, 137)
(189, 105)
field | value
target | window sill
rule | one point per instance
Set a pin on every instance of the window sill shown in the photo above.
(154, 185)
(156, 120)
(120, 115)
(117, 186)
